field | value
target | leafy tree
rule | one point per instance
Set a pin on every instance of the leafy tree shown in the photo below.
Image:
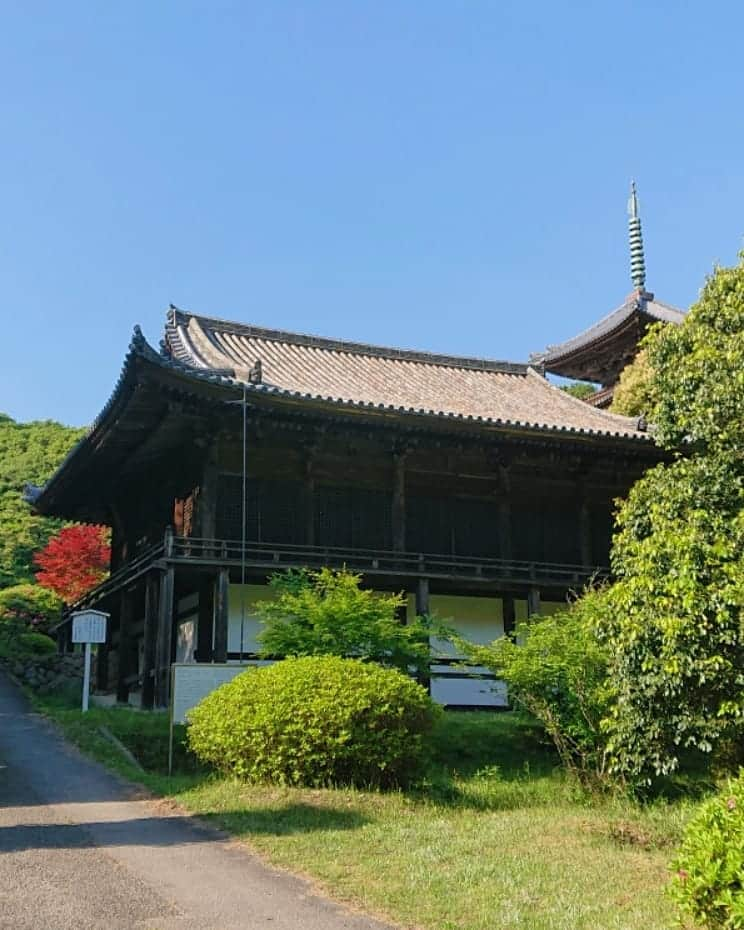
(699, 371)
(24, 606)
(635, 393)
(673, 620)
(29, 452)
(327, 613)
(556, 669)
(579, 389)
(74, 561)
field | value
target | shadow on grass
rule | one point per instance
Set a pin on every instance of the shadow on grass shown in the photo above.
(467, 742)
(480, 761)
(288, 820)
(175, 831)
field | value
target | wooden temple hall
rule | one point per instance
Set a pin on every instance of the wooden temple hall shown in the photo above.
(234, 451)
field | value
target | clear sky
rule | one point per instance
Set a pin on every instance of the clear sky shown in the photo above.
(433, 174)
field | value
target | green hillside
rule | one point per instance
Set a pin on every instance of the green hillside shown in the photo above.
(29, 452)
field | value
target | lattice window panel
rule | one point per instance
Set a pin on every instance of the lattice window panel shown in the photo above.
(476, 528)
(429, 525)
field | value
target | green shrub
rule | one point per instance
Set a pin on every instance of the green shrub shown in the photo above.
(36, 607)
(327, 613)
(36, 644)
(556, 669)
(708, 883)
(318, 720)
(17, 642)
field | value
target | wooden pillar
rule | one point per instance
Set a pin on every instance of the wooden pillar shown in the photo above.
(309, 504)
(149, 670)
(221, 615)
(533, 602)
(69, 645)
(422, 596)
(585, 534)
(508, 614)
(164, 644)
(422, 609)
(102, 661)
(505, 516)
(398, 514)
(207, 500)
(205, 623)
(125, 647)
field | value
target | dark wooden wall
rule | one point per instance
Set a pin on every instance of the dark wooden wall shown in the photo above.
(526, 504)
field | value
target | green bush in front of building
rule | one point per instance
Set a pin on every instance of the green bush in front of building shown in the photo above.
(316, 720)
(709, 868)
(327, 612)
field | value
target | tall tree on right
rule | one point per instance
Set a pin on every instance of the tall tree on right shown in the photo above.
(674, 618)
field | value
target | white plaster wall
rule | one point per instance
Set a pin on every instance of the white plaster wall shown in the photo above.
(480, 620)
(252, 625)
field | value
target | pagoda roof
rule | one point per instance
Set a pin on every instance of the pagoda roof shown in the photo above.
(400, 380)
(640, 307)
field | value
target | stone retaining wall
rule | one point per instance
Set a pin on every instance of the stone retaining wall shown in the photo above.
(47, 674)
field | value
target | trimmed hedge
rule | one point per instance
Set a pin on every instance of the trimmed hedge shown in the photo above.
(317, 720)
(709, 868)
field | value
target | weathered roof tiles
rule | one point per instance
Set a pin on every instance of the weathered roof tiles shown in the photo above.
(481, 390)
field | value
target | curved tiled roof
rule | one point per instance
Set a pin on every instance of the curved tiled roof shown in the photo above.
(360, 375)
(639, 302)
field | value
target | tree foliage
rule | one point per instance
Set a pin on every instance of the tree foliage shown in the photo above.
(327, 613)
(674, 617)
(699, 371)
(579, 389)
(29, 452)
(75, 560)
(556, 669)
(27, 606)
(635, 394)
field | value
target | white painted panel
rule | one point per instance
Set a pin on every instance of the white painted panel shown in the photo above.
(477, 619)
(546, 609)
(259, 663)
(193, 682)
(469, 692)
(89, 626)
(252, 625)
(551, 607)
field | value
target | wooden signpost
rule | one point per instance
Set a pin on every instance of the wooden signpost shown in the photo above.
(88, 626)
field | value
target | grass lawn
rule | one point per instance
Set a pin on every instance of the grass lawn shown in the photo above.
(496, 840)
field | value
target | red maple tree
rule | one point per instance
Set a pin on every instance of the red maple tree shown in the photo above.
(74, 560)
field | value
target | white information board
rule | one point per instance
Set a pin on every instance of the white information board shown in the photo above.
(193, 681)
(89, 626)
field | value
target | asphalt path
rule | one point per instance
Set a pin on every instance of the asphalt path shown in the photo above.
(79, 849)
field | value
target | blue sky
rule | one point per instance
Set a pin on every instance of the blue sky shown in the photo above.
(442, 175)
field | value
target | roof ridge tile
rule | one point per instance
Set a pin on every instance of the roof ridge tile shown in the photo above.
(178, 319)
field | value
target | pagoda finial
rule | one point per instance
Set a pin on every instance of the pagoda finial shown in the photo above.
(637, 260)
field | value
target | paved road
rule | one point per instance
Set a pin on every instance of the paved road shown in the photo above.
(79, 850)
